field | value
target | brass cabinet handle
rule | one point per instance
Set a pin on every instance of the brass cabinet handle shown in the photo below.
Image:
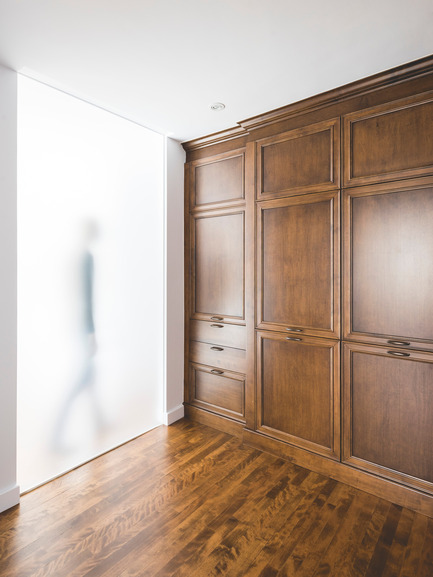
(294, 330)
(399, 343)
(216, 318)
(398, 354)
(215, 372)
(216, 349)
(218, 326)
(293, 339)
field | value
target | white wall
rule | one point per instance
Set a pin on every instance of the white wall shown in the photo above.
(9, 491)
(173, 409)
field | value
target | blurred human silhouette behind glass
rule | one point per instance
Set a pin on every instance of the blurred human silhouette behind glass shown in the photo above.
(85, 380)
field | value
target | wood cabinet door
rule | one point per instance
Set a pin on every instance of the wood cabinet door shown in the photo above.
(299, 161)
(299, 264)
(389, 142)
(218, 265)
(298, 398)
(387, 413)
(388, 264)
(218, 180)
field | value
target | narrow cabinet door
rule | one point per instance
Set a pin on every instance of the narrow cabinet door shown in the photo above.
(218, 180)
(298, 391)
(387, 413)
(388, 264)
(299, 264)
(218, 265)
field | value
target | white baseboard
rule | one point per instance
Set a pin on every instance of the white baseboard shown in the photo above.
(174, 415)
(9, 498)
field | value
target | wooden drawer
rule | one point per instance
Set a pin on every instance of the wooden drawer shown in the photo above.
(219, 391)
(218, 333)
(389, 142)
(218, 356)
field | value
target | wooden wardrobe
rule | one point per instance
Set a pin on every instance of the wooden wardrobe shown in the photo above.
(309, 283)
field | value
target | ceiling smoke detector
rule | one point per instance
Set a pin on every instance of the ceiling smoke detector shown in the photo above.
(217, 106)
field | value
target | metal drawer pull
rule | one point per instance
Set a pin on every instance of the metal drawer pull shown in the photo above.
(215, 372)
(294, 330)
(292, 339)
(216, 349)
(398, 354)
(218, 326)
(216, 318)
(399, 343)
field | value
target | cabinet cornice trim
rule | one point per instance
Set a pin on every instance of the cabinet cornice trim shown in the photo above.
(215, 138)
(391, 77)
(399, 74)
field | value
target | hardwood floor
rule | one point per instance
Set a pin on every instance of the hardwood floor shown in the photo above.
(190, 501)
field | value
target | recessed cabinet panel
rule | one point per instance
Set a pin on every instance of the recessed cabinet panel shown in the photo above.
(299, 161)
(219, 391)
(218, 179)
(389, 142)
(388, 265)
(388, 408)
(299, 264)
(218, 265)
(298, 391)
(218, 356)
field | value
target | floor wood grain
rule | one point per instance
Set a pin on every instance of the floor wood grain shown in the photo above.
(190, 501)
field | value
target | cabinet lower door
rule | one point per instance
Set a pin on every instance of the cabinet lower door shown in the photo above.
(388, 413)
(298, 391)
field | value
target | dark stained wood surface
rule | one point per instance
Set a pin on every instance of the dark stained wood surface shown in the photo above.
(218, 179)
(190, 501)
(389, 142)
(298, 391)
(300, 161)
(388, 240)
(218, 265)
(218, 390)
(299, 260)
(388, 407)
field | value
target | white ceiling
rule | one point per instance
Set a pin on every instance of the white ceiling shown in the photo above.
(161, 63)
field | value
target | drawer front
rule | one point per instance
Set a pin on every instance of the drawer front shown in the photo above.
(218, 333)
(218, 356)
(219, 391)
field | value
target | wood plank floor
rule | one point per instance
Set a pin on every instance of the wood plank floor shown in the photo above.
(190, 501)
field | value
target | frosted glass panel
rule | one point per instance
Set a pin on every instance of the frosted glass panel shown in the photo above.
(90, 281)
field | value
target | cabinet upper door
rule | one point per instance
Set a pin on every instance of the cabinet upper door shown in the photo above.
(387, 412)
(298, 391)
(388, 264)
(218, 265)
(218, 180)
(298, 264)
(389, 142)
(299, 161)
